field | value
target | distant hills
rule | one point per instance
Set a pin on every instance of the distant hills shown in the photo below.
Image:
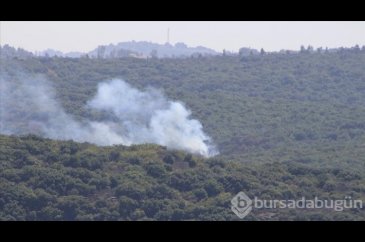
(137, 49)
(52, 53)
(144, 50)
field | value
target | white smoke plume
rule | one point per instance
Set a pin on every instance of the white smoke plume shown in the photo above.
(138, 116)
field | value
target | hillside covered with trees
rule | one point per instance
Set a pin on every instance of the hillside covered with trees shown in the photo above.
(286, 125)
(42, 179)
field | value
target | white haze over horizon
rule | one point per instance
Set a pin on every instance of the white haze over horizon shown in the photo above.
(67, 36)
(136, 117)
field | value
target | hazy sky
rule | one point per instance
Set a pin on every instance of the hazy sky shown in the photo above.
(272, 36)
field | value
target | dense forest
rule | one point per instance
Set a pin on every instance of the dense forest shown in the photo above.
(42, 179)
(286, 125)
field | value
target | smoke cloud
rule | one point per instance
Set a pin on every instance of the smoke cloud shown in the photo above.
(28, 105)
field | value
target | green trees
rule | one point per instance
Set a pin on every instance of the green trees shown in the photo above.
(156, 170)
(152, 189)
(275, 102)
(212, 187)
(285, 125)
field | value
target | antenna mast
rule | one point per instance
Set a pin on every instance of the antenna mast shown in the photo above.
(168, 35)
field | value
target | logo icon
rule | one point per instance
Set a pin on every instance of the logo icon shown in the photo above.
(241, 205)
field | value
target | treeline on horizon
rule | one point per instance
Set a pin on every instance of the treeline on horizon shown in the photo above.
(145, 50)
